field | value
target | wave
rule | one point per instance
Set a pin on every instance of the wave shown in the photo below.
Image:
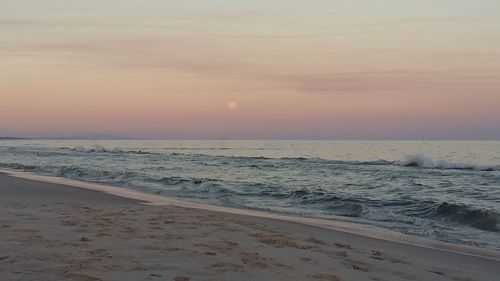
(80, 173)
(95, 148)
(192, 187)
(102, 149)
(17, 166)
(483, 219)
(180, 180)
(381, 162)
(259, 162)
(413, 160)
(327, 201)
(487, 220)
(423, 161)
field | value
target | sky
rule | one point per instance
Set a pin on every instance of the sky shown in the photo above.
(260, 69)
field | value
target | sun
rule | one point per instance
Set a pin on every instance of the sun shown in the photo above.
(232, 106)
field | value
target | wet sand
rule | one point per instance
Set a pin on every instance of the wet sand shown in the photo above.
(51, 231)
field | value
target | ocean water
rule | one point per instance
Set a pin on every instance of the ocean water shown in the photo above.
(443, 190)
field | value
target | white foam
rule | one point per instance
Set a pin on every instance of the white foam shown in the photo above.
(424, 161)
(94, 148)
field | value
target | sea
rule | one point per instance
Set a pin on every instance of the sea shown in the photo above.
(443, 190)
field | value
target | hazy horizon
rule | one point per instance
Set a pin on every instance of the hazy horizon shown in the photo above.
(131, 138)
(271, 69)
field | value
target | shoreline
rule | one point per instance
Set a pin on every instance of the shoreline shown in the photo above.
(53, 230)
(347, 227)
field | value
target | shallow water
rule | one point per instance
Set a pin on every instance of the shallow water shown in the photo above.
(444, 190)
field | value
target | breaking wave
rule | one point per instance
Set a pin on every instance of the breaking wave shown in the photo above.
(423, 161)
(478, 218)
(258, 162)
(412, 160)
(102, 149)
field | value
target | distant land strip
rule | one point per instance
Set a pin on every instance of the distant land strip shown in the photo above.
(10, 138)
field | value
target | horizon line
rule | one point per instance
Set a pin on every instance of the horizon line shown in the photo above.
(248, 139)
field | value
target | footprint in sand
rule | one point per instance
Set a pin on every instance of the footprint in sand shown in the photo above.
(277, 240)
(325, 277)
(316, 241)
(435, 272)
(254, 260)
(99, 253)
(4, 258)
(358, 265)
(224, 267)
(168, 221)
(376, 255)
(340, 245)
(218, 246)
(342, 254)
(399, 261)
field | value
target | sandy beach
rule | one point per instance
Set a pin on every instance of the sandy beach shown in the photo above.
(51, 231)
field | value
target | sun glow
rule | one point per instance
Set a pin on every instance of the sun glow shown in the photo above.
(232, 106)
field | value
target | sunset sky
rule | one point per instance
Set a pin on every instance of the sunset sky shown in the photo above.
(250, 69)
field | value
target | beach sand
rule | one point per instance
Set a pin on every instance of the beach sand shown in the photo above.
(50, 231)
